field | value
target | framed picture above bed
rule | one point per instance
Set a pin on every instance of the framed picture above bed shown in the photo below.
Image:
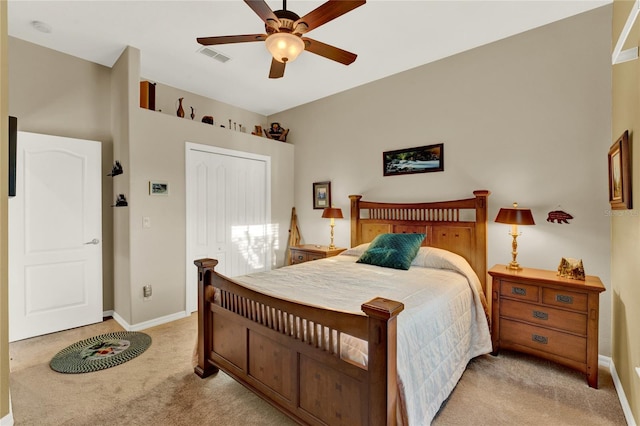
(422, 159)
(620, 174)
(321, 195)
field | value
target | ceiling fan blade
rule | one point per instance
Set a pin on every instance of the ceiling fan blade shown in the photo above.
(277, 69)
(209, 41)
(262, 9)
(328, 51)
(327, 12)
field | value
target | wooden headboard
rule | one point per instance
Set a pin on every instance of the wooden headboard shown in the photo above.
(459, 226)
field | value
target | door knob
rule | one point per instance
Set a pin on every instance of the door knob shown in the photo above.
(94, 241)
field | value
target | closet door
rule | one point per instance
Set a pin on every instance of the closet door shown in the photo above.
(227, 213)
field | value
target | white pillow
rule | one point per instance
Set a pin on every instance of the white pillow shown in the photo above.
(356, 251)
(433, 257)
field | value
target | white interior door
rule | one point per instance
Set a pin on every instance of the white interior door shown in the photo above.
(55, 233)
(227, 212)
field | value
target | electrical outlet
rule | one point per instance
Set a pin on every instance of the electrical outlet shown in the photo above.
(147, 292)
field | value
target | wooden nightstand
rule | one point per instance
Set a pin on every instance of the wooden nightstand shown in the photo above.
(307, 252)
(537, 312)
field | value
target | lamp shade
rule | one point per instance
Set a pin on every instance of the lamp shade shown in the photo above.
(332, 213)
(515, 216)
(284, 47)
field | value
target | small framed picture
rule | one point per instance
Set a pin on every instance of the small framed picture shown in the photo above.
(620, 174)
(321, 195)
(157, 187)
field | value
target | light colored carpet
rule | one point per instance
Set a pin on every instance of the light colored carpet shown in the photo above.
(160, 388)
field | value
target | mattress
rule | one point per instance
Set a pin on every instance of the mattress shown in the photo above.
(443, 326)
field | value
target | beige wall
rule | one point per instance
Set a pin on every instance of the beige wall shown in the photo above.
(121, 100)
(158, 254)
(156, 151)
(4, 275)
(72, 101)
(89, 101)
(625, 226)
(527, 118)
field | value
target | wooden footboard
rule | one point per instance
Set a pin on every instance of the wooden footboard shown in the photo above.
(289, 353)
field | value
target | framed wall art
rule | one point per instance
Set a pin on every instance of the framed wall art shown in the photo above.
(158, 187)
(321, 195)
(422, 159)
(620, 174)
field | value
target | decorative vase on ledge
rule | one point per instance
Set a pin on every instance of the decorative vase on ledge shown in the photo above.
(180, 112)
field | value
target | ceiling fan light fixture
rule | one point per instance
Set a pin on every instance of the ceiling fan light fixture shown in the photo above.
(284, 47)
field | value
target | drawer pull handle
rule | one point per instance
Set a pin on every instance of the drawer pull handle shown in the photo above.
(540, 315)
(519, 291)
(564, 299)
(300, 257)
(539, 339)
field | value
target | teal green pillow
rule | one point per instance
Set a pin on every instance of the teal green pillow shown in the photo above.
(392, 250)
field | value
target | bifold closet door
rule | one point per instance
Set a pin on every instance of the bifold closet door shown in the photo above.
(227, 215)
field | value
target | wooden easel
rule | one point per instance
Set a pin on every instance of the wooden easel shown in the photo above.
(294, 236)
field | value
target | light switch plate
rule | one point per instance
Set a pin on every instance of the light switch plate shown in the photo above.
(146, 222)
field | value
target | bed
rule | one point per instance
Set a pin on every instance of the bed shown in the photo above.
(323, 357)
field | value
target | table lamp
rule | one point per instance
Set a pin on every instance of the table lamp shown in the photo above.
(514, 216)
(332, 213)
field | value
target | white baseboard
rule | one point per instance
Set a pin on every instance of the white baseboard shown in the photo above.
(7, 420)
(107, 314)
(148, 324)
(607, 362)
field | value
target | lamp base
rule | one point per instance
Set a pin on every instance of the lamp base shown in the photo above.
(514, 266)
(332, 246)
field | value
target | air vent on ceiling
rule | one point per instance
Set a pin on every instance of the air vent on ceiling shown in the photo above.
(213, 54)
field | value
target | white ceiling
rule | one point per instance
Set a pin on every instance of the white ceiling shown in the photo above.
(389, 36)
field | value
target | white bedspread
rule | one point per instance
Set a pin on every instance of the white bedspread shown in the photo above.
(442, 327)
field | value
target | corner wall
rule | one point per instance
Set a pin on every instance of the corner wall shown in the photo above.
(625, 224)
(5, 409)
(155, 150)
(121, 109)
(527, 118)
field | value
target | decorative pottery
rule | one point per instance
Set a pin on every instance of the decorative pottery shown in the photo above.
(180, 112)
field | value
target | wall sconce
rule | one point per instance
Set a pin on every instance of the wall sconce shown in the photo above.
(515, 216)
(332, 213)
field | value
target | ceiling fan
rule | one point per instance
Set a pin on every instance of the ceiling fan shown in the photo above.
(284, 33)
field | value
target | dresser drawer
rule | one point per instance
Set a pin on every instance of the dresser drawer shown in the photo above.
(565, 299)
(298, 257)
(572, 322)
(543, 339)
(307, 252)
(315, 256)
(519, 291)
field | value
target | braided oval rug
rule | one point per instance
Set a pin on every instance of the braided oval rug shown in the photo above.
(100, 352)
